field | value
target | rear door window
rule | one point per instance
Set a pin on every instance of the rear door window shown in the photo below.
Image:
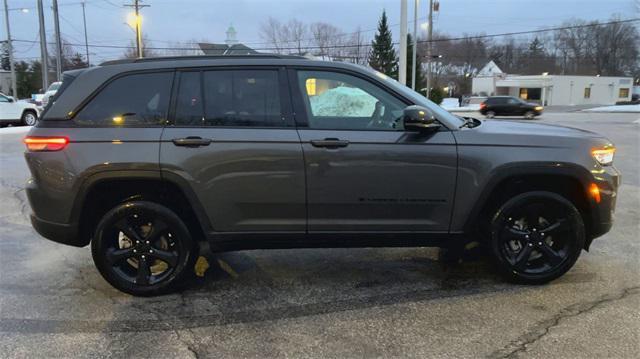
(130, 100)
(240, 98)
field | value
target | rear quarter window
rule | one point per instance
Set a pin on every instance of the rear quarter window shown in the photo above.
(131, 100)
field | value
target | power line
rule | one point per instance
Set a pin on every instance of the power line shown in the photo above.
(395, 43)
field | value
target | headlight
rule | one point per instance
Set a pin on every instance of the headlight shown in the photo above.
(604, 156)
(538, 108)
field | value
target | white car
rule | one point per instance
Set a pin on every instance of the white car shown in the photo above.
(53, 88)
(12, 111)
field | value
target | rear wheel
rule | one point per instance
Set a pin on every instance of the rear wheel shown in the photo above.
(490, 114)
(536, 237)
(143, 248)
(29, 118)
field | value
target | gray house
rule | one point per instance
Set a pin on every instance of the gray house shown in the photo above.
(231, 46)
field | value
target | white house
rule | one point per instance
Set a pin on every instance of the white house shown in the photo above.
(553, 89)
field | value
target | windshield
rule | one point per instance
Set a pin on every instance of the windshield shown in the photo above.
(54, 86)
(418, 98)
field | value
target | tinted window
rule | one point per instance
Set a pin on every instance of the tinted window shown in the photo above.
(3, 99)
(341, 101)
(189, 107)
(242, 98)
(140, 99)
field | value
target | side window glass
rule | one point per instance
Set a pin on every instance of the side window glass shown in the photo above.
(242, 98)
(341, 101)
(131, 100)
(3, 99)
(189, 107)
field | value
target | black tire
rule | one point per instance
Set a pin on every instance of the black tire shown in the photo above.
(530, 115)
(29, 118)
(490, 114)
(536, 237)
(149, 233)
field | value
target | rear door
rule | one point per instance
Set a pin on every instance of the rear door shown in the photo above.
(233, 142)
(364, 172)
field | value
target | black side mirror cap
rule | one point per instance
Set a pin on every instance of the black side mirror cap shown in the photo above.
(420, 119)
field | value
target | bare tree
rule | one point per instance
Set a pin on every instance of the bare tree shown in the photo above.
(325, 39)
(147, 51)
(271, 32)
(296, 34)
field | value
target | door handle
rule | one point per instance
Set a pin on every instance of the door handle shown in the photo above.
(191, 141)
(330, 143)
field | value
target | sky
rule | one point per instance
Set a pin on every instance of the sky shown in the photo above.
(168, 21)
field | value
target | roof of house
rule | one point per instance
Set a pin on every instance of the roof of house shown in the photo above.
(224, 49)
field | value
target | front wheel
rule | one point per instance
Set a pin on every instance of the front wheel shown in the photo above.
(143, 248)
(536, 237)
(29, 118)
(490, 114)
(530, 115)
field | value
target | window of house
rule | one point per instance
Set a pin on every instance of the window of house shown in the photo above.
(341, 101)
(587, 92)
(242, 98)
(623, 93)
(131, 100)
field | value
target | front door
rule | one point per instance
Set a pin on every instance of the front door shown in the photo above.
(364, 172)
(233, 141)
(8, 109)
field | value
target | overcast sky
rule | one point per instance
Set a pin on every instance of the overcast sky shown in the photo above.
(167, 21)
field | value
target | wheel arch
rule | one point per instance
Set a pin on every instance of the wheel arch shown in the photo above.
(567, 179)
(102, 191)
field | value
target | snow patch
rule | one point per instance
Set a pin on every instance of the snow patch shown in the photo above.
(619, 108)
(14, 129)
(345, 101)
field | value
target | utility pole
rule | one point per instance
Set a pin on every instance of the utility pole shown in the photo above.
(402, 71)
(86, 40)
(56, 24)
(43, 48)
(14, 89)
(137, 6)
(429, 39)
(415, 44)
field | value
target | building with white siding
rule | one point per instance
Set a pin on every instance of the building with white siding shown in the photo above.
(553, 89)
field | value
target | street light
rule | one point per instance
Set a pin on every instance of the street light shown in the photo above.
(14, 90)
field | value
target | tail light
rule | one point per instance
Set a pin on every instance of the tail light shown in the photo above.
(483, 105)
(41, 144)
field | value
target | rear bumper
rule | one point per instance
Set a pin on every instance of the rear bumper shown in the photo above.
(58, 232)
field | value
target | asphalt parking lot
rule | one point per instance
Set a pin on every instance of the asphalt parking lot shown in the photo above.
(326, 302)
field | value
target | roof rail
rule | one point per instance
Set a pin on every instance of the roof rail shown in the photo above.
(201, 57)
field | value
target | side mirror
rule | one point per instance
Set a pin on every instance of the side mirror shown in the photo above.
(11, 99)
(419, 119)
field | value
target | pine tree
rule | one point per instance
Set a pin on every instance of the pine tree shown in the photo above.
(383, 55)
(420, 80)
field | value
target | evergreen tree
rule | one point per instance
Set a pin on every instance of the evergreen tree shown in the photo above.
(420, 79)
(383, 55)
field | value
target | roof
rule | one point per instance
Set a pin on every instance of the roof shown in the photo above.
(490, 69)
(226, 49)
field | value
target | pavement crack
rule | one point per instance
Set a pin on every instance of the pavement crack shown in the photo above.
(539, 331)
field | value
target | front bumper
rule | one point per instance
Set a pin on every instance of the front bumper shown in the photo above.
(608, 180)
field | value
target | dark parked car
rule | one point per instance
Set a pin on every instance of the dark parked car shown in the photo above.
(145, 159)
(509, 106)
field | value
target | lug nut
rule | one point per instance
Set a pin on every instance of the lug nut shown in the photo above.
(542, 233)
(530, 244)
(150, 250)
(539, 243)
(534, 229)
(143, 256)
(135, 251)
(526, 236)
(147, 242)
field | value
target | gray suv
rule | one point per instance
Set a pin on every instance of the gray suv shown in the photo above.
(146, 158)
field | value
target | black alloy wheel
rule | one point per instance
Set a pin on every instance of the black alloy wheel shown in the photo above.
(537, 237)
(143, 248)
